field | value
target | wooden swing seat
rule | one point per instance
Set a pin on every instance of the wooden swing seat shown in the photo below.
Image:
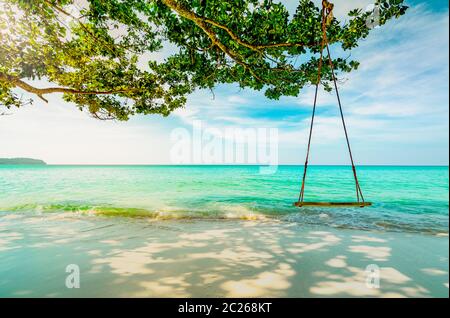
(332, 204)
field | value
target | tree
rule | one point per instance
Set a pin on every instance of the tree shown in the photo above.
(93, 53)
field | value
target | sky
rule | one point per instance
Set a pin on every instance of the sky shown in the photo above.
(396, 106)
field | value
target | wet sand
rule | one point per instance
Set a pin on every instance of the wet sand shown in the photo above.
(137, 257)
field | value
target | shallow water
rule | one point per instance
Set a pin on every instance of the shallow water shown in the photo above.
(406, 199)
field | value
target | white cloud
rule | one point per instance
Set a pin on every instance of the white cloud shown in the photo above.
(237, 99)
(59, 133)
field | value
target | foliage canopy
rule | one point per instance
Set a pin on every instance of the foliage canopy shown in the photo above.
(96, 52)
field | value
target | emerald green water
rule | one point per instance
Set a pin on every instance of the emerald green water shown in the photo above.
(407, 199)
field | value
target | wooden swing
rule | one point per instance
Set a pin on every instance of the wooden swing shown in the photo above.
(327, 16)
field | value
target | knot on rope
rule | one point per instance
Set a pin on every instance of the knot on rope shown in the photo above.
(328, 10)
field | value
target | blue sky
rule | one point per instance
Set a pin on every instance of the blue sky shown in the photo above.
(396, 106)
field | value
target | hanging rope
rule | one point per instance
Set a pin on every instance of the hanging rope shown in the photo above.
(327, 17)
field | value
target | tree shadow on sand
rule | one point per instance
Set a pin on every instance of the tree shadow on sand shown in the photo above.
(125, 257)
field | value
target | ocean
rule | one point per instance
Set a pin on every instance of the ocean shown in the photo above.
(405, 198)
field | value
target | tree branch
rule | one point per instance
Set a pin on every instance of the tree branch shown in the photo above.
(16, 81)
(255, 47)
(83, 26)
(174, 5)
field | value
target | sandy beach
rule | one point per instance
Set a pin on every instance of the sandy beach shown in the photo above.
(139, 257)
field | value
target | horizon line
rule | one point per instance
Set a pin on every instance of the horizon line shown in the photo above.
(227, 165)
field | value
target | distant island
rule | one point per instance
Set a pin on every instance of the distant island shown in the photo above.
(21, 161)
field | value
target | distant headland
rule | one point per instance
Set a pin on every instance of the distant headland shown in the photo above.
(21, 161)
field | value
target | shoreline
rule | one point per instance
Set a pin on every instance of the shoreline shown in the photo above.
(145, 215)
(126, 257)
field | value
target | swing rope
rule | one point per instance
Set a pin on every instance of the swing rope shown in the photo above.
(327, 14)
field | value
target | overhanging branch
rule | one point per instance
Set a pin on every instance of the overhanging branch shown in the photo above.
(255, 47)
(17, 82)
(174, 5)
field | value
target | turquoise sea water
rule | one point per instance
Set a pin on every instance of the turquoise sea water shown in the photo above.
(407, 199)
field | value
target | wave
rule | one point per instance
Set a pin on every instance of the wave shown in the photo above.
(347, 218)
(163, 214)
